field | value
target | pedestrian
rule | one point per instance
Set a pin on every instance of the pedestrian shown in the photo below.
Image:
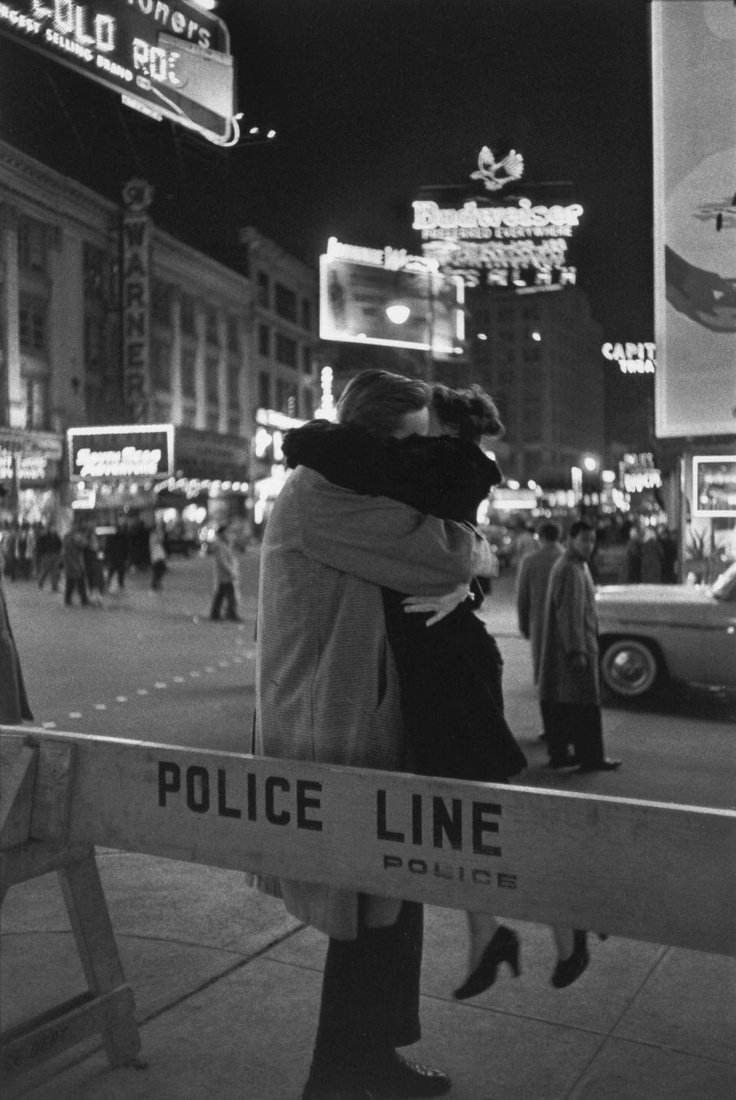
(72, 554)
(631, 566)
(93, 568)
(323, 662)
(531, 597)
(226, 574)
(669, 554)
(49, 558)
(14, 706)
(157, 553)
(652, 557)
(116, 556)
(10, 549)
(524, 543)
(569, 682)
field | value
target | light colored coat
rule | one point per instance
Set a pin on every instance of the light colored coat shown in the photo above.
(531, 595)
(570, 627)
(326, 685)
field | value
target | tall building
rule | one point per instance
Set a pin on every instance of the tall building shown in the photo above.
(539, 356)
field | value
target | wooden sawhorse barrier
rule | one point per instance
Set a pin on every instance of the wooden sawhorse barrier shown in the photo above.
(648, 871)
(34, 807)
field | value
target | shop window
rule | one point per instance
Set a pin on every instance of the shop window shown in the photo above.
(36, 394)
(264, 290)
(285, 302)
(188, 372)
(264, 390)
(264, 340)
(212, 385)
(32, 325)
(161, 303)
(233, 383)
(286, 350)
(31, 245)
(160, 365)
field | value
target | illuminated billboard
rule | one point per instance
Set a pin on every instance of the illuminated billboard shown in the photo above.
(633, 357)
(694, 97)
(714, 481)
(384, 296)
(143, 451)
(170, 60)
(517, 241)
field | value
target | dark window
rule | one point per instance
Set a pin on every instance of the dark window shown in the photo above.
(233, 334)
(160, 365)
(188, 372)
(32, 324)
(211, 329)
(306, 313)
(264, 290)
(93, 344)
(285, 302)
(264, 390)
(36, 402)
(264, 340)
(161, 303)
(31, 245)
(286, 350)
(212, 387)
(187, 315)
(95, 273)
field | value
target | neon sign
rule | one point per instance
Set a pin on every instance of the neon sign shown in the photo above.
(136, 231)
(632, 358)
(516, 242)
(167, 58)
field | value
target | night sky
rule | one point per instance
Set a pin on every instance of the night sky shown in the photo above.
(371, 100)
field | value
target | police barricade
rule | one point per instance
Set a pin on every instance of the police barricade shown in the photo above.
(649, 871)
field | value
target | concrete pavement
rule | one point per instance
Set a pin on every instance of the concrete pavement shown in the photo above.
(227, 989)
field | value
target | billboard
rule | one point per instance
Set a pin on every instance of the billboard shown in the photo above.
(170, 60)
(384, 296)
(694, 95)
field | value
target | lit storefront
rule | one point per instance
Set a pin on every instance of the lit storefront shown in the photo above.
(180, 477)
(268, 466)
(30, 466)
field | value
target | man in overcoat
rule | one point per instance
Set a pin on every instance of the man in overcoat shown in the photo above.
(327, 691)
(569, 683)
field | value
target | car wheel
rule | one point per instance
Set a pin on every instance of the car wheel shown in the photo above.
(629, 667)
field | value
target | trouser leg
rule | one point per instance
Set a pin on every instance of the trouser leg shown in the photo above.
(370, 993)
(217, 602)
(587, 732)
(557, 726)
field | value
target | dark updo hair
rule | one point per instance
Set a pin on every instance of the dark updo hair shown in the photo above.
(378, 400)
(470, 413)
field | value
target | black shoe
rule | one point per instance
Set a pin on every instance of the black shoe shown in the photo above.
(397, 1077)
(601, 766)
(569, 970)
(334, 1084)
(504, 947)
(564, 762)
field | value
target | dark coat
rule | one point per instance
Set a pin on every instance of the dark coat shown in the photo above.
(570, 629)
(14, 705)
(450, 673)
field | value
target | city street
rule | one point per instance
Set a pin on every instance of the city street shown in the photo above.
(152, 666)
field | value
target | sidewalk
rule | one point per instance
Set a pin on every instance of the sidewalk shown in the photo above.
(227, 990)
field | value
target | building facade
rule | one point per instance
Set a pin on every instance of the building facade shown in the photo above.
(106, 320)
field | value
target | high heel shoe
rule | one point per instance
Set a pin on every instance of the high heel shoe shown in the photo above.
(569, 970)
(504, 947)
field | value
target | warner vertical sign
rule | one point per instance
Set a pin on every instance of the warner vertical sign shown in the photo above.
(136, 296)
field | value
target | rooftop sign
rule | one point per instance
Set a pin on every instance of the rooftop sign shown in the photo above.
(517, 241)
(168, 59)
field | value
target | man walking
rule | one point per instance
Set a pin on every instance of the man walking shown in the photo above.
(569, 685)
(225, 566)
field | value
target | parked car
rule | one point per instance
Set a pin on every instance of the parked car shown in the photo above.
(650, 633)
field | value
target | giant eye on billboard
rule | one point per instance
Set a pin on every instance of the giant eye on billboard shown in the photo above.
(168, 59)
(384, 296)
(143, 451)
